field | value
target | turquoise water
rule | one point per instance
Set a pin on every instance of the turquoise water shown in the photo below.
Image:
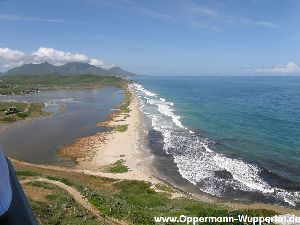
(251, 123)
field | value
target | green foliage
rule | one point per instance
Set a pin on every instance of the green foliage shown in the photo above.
(5, 105)
(126, 102)
(137, 203)
(22, 115)
(34, 109)
(163, 187)
(8, 119)
(27, 173)
(62, 180)
(42, 185)
(60, 208)
(59, 80)
(117, 167)
(121, 128)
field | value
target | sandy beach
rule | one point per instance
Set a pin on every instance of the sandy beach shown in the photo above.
(122, 146)
(99, 151)
(95, 153)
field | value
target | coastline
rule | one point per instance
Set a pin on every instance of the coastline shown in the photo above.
(130, 146)
(122, 146)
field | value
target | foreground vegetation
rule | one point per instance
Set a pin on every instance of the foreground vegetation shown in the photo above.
(26, 110)
(134, 202)
(121, 128)
(53, 205)
(117, 167)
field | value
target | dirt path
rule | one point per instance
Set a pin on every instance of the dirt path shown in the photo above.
(27, 107)
(130, 175)
(77, 197)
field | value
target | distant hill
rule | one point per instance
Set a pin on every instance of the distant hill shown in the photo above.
(73, 68)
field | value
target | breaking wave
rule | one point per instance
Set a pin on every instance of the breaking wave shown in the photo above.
(212, 172)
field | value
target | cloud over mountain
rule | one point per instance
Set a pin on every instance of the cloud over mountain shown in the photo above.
(11, 58)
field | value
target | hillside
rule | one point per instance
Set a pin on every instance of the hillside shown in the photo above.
(20, 84)
(73, 68)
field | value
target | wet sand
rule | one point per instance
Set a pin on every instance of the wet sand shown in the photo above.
(103, 149)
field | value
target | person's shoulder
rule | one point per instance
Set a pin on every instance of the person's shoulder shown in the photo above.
(5, 186)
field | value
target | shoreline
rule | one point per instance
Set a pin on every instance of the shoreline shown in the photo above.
(130, 146)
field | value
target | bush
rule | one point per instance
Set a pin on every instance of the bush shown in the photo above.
(121, 128)
(27, 173)
(22, 115)
(117, 167)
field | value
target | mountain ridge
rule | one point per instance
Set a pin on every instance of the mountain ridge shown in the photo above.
(72, 68)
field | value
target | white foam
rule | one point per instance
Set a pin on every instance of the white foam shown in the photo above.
(140, 88)
(196, 162)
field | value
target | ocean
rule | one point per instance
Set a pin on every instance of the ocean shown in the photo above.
(230, 137)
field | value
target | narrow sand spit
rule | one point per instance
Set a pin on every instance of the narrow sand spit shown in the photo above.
(104, 149)
(122, 146)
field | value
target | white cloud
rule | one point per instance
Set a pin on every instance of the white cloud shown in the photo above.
(266, 24)
(9, 54)
(211, 17)
(11, 58)
(138, 8)
(57, 57)
(20, 18)
(99, 63)
(291, 67)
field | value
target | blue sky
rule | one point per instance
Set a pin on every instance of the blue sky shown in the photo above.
(170, 37)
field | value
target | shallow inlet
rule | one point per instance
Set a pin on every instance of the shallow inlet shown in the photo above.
(37, 140)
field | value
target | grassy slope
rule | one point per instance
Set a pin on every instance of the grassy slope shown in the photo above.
(53, 205)
(135, 201)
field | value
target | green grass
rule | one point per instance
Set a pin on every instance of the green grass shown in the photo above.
(4, 105)
(121, 128)
(117, 167)
(58, 80)
(27, 173)
(137, 203)
(42, 185)
(163, 187)
(60, 208)
(23, 84)
(124, 108)
(22, 115)
(35, 109)
(14, 89)
(62, 180)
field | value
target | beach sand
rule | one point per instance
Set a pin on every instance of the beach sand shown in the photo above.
(125, 146)
(104, 149)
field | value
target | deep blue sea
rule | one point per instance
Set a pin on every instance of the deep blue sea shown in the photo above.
(229, 136)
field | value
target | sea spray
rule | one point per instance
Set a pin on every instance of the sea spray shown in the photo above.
(212, 172)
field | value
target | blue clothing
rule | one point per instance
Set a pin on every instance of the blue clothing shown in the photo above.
(5, 188)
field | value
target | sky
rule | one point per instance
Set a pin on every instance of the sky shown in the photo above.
(157, 37)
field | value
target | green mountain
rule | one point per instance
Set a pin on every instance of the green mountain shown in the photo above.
(73, 68)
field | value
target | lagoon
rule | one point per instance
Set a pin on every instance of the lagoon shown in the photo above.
(37, 140)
